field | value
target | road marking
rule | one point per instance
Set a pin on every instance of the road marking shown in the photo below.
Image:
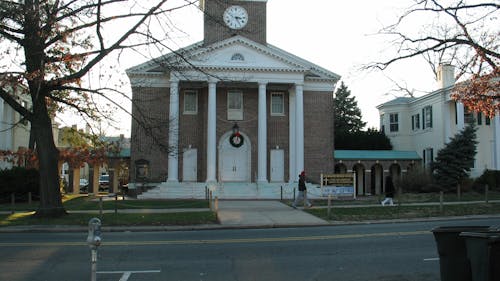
(126, 274)
(220, 241)
(431, 259)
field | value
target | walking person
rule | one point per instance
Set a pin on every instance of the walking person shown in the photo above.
(302, 196)
(389, 191)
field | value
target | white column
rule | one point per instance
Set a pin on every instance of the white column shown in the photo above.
(173, 133)
(2, 132)
(292, 169)
(211, 131)
(460, 117)
(262, 137)
(496, 142)
(299, 128)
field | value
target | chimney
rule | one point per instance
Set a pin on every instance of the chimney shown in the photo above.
(445, 76)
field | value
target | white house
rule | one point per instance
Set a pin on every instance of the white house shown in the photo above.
(426, 123)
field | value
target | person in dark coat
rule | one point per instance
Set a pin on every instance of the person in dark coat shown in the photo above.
(302, 196)
(389, 191)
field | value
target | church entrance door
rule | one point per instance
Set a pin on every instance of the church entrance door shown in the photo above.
(234, 162)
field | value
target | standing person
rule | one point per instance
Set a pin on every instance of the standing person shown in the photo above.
(389, 191)
(302, 196)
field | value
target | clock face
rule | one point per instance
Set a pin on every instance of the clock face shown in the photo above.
(235, 17)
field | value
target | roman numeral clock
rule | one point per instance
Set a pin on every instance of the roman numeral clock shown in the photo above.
(227, 18)
(235, 17)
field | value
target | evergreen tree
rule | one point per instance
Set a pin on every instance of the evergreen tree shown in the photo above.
(348, 125)
(455, 159)
(372, 139)
(347, 114)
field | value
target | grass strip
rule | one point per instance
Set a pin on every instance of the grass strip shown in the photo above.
(83, 202)
(185, 218)
(403, 212)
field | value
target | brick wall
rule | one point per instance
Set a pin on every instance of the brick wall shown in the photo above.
(151, 106)
(318, 134)
(216, 30)
(149, 135)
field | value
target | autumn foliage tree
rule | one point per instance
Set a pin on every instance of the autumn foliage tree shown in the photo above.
(464, 33)
(49, 46)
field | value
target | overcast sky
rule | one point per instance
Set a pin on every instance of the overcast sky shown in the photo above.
(337, 35)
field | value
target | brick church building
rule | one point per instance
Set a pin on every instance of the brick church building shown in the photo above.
(231, 108)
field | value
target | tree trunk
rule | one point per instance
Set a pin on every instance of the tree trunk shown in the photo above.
(48, 155)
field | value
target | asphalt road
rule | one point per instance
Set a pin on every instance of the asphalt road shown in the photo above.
(389, 252)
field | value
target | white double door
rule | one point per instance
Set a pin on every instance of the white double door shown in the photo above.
(234, 162)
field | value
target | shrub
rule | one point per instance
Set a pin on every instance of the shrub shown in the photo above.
(417, 180)
(19, 181)
(490, 178)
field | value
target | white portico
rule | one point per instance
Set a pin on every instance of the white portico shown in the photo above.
(296, 135)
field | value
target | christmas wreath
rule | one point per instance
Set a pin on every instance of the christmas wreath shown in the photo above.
(236, 140)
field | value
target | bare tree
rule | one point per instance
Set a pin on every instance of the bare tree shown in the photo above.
(463, 33)
(51, 45)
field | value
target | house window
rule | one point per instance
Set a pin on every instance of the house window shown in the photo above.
(487, 120)
(393, 122)
(234, 105)
(277, 104)
(428, 155)
(415, 122)
(427, 117)
(190, 102)
(382, 126)
(479, 118)
(468, 117)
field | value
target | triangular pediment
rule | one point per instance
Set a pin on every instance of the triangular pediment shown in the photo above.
(236, 53)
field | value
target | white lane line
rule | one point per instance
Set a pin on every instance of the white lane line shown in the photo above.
(431, 259)
(125, 276)
(131, 271)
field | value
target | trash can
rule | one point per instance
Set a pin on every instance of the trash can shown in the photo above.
(453, 262)
(483, 251)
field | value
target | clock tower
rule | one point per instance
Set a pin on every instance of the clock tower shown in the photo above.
(227, 18)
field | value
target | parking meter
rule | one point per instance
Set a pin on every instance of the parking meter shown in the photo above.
(94, 236)
(94, 240)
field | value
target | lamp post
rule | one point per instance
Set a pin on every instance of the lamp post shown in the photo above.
(236, 128)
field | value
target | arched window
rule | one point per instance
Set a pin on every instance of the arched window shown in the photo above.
(237, 57)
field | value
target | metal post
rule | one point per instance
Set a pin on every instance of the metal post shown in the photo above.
(116, 203)
(281, 193)
(486, 191)
(459, 192)
(441, 199)
(13, 202)
(93, 265)
(294, 194)
(100, 207)
(29, 198)
(210, 200)
(329, 213)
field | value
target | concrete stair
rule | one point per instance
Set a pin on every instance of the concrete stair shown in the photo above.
(226, 190)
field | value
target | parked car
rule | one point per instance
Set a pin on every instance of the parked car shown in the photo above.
(84, 185)
(103, 182)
